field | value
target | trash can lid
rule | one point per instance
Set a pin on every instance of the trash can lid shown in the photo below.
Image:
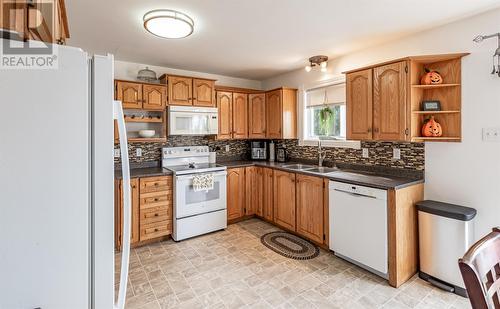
(447, 210)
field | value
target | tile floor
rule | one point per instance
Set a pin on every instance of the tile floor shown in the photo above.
(232, 269)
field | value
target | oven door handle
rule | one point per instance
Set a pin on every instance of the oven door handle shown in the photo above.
(191, 176)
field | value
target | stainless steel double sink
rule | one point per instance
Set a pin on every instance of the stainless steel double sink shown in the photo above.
(311, 168)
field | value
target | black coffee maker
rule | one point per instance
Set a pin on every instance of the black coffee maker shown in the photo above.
(258, 150)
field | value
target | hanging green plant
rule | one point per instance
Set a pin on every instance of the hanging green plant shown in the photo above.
(325, 115)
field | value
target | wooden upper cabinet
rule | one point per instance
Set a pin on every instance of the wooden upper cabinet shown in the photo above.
(359, 105)
(225, 106)
(39, 20)
(155, 97)
(310, 205)
(240, 119)
(236, 193)
(284, 199)
(180, 90)
(203, 92)
(267, 194)
(274, 114)
(129, 93)
(390, 102)
(281, 113)
(257, 115)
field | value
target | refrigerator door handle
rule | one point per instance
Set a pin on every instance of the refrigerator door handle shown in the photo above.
(127, 209)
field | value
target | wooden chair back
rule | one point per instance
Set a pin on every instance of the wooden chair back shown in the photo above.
(480, 268)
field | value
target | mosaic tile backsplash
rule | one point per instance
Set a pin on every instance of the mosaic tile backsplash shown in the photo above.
(380, 153)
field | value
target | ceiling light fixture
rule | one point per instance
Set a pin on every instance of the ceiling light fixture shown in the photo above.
(320, 61)
(168, 24)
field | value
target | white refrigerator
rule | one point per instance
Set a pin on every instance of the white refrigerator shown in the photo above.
(56, 185)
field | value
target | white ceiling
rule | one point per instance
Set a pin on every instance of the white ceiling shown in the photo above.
(256, 39)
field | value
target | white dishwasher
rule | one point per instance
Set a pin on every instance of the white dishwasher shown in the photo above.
(358, 225)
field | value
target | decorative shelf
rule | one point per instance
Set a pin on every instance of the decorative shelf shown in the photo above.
(434, 86)
(147, 140)
(440, 139)
(435, 112)
(147, 120)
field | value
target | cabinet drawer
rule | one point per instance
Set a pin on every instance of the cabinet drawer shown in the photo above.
(157, 229)
(155, 184)
(155, 214)
(153, 199)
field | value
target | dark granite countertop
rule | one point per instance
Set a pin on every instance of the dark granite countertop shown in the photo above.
(370, 176)
(382, 178)
(149, 169)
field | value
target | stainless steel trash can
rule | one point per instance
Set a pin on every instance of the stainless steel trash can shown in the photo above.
(445, 233)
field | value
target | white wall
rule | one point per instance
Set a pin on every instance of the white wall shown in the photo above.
(465, 173)
(128, 71)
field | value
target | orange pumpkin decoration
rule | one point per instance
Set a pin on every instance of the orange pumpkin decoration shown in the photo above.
(431, 128)
(431, 77)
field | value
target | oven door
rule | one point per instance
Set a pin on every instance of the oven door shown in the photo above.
(190, 203)
(192, 123)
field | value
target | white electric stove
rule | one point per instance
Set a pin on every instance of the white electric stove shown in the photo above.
(195, 212)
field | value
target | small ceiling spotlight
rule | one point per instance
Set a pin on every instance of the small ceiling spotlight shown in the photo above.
(320, 61)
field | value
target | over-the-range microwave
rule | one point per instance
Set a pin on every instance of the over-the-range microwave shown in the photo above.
(190, 120)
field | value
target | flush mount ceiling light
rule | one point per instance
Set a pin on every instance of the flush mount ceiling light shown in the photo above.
(168, 24)
(320, 61)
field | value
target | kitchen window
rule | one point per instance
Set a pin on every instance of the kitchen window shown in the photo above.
(324, 116)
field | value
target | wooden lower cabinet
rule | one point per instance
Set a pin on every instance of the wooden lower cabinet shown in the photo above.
(284, 199)
(152, 202)
(134, 193)
(310, 207)
(236, 197)
(254, 191)
(268, 194)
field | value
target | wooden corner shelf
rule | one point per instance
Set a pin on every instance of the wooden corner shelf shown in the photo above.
(448, 94)
(436, 139)
(436, 112)
(434, 86)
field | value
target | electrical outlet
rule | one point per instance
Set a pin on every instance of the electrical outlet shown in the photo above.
(138, 152)
(227, 148)
(365, 153)
(117, 152)
(491, 134)
(396, 153)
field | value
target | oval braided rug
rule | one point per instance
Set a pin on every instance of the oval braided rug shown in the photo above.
(290, 246)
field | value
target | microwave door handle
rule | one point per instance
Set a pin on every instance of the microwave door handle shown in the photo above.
(127, 209)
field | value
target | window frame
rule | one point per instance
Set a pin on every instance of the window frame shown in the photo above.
(304, 140)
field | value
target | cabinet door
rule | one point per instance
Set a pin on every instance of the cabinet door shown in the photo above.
(254, 193)
(203, 92)
(274, 114)
(267, 194)
(257, 115)
(134, 236)
(389, 102)
(284, 199)
(225, 107)
(129, 93)
(359, 105)
(155, 97)
(180, 90)
(240, 119)
(235, 193)
(310, 205)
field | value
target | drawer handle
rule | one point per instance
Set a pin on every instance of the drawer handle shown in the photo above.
(156, 230)
(156, 184)
(156, 215)
(156, 199)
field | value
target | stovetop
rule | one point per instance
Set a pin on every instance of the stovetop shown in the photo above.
(196, 168)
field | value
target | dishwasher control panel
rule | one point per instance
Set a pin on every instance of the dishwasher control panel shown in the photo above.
(359, 190)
